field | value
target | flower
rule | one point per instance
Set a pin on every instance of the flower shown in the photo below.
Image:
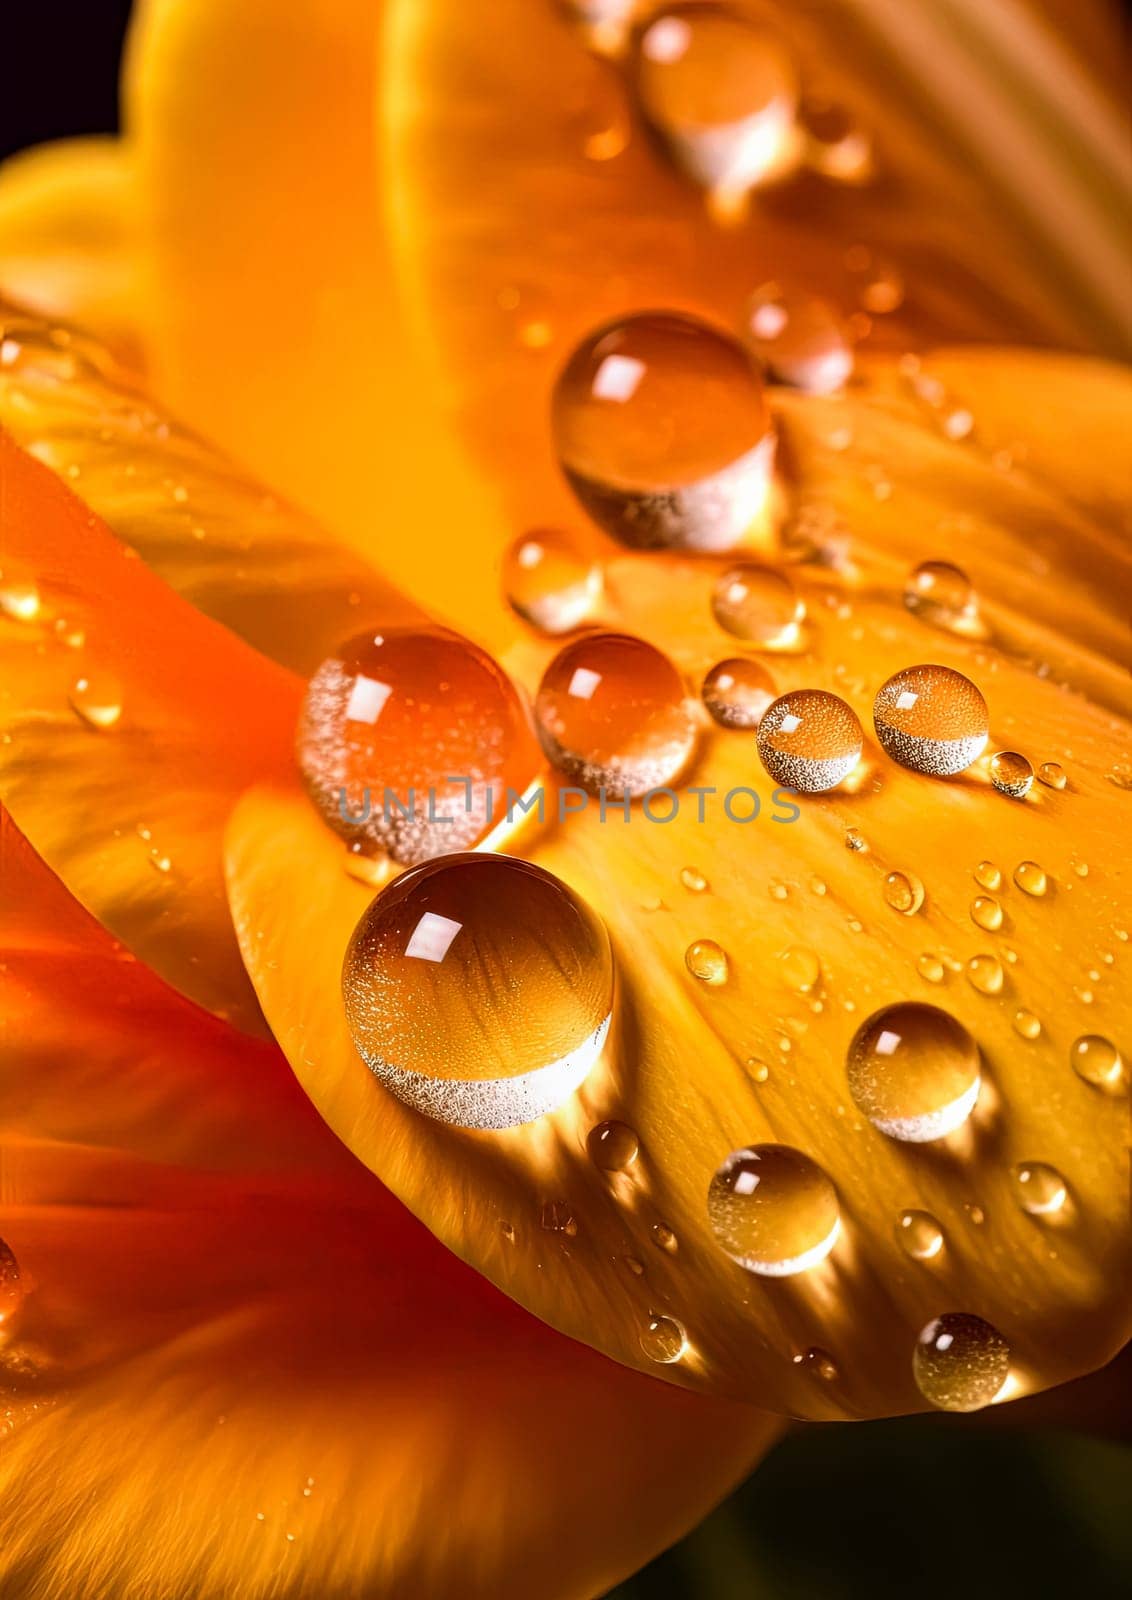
(230, 1307)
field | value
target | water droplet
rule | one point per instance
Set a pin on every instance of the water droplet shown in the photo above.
(97, 698)
(663, 1339)
(613, 1146)
(773, 1210)
(1026, 1025)
(611, 714)
(69, 633)
(903, 892)
(819, 1362)
(557, 1217)
(1011, 774)
(1040, 1188)
(707, 961)
(942, 596)
(635, 1266)
(736, 692)
(931, 719)
(1052, 775)
(986, 913)
(758, 605)
(424, 723)
(801, 969)
(664, 1238)
(914, 1072)
(836, 145)
(1030, 878)
(809, 741)
(987, 874)
(479, 988)
(960, 1362)
(19, 597)
(1120, 776)
(758, 1070)
(663, 431)
(549, 582)
(1097, 1060)
(720, 94)
(930, 967)
(11, 1287)
(798, 339)
(881, 286)
(985, 974)
(919, 1235)
(694, 881)
(854, 840)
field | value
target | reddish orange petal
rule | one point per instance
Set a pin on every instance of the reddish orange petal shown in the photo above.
(242, 1369)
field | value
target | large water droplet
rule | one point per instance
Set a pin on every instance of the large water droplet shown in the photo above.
(720, 94)
(662, 428)
(736, 692)
(707, 961)
(611, 714)
(1097, 1060)
(663, 1339)
(759, 605)
(549, 582)
(904, 892)
(809, 741)
(914, 1072)
(479, 989)
(96, 697)
(613, 1146)
(429, 726)
(774, 1210)
(798, 339)
(960, 1362)
(1011, 774)
(1040, 1188)
(931, 719)
(942, 595)
(919, 1235)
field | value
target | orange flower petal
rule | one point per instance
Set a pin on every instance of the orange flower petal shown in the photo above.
(242, 1369)
(130, 722)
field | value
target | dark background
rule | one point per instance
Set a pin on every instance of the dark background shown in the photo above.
(932, 1507)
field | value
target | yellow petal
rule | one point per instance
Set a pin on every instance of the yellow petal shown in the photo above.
(241, 1368)
(130, 722)
(67, 244)
(783, 899)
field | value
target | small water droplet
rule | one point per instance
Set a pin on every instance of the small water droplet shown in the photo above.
(988, 875)
(941, 595)
(1026, 1025)
(798, 339)
(663, 1339)
(960, 1362)
(664, 1238)
(549, 582)
(1052, 775)
(773, 1210)
(931, 719)
(1096, 1060)
(758, 1070)
(556, 1216)
(707, 961)
(1011, 774)
(1040, 1188)
(819, 1362)
(19, 597)
(855, 840)
(737, 692)
(903, 892)
(800, 968)
(720, 93)
(930, 967)
(611, 714)
(759, 605)
(97, 698)
(662, 428)
(914, 1071)
(693, 880)
(985, 974)
(836, 145)
(613, 1146)
(479, 989)
(919, 1235)
(986, 913)
(809, 741)
(1031, 878)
